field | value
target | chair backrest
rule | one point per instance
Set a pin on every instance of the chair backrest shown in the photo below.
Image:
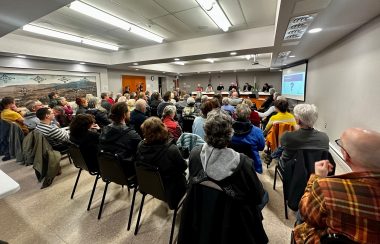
(76, 156)
(150, 181)
(187, 122)
(242, 148)
(110, 168)
(275, 133)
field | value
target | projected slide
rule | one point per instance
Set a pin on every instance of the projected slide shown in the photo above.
(294, 82)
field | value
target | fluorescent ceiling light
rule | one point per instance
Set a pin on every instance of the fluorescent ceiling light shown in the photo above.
(233, 53)
(68, 37)
(210, 60)
(135, 63)
(112, 20)
(20, 56)
(82, 63)
(136, 69)
(292, 56)
(52, 33)
(176, 59)
(315, 30)
(179, 63)
(215, 12)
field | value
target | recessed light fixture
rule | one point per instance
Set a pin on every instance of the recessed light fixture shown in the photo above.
(292, 56)
(136, 69)
(210, 60)
(82, 63)
(233, 53)
(163, 72)
(135, 63)
(20, 56)
(176, 59)
(112, 20)
(315, 30)
(179, 63)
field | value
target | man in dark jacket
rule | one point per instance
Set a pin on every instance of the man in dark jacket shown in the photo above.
(138, 116)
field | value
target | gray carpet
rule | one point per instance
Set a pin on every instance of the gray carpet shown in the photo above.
(49, 215)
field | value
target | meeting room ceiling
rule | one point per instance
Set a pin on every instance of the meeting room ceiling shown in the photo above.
(180, 20)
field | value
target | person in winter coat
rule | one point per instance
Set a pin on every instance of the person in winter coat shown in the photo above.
(172, 125)
(246, 133)
(158, 150)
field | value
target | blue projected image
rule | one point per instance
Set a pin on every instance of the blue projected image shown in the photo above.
(293, 84)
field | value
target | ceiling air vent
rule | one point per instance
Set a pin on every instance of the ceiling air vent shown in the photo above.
(297, 26)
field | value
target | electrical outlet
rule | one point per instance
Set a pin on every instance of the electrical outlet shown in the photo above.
(325, 125)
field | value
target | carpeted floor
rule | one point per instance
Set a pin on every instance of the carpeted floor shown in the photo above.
(49, 215)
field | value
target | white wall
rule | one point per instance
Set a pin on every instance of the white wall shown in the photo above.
(189, 83)
(343, 82)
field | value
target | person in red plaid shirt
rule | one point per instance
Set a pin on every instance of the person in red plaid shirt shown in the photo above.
(348, 204)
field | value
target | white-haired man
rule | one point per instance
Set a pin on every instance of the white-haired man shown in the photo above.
(347, 204)
(138, 116)
(306, 137)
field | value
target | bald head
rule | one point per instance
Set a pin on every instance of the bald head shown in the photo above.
(140, 105)
(363, 148)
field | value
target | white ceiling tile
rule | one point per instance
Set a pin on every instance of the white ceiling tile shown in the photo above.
(146, 8)
(233, 12)
(172, 24)
(177, 5)
(197, 20)
(259, 12)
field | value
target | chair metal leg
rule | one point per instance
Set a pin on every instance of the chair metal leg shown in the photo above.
(173, 225)
(97, 177)
(76, 183)
(275, 177)
(138, 217)
(104, 197)
(286, 208)
(70, 160)
(132, 206)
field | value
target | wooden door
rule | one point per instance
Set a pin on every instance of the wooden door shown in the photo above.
(133, 82)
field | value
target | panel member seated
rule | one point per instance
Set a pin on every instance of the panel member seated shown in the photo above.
(199, 88)
(345, 204)
(209, 88)
(247, 87)
(306, 137)
(57, 137)
(220, 88)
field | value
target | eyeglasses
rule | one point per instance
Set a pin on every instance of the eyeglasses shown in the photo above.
(340, 144)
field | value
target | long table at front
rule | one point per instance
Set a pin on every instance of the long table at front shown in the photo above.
(258, 101)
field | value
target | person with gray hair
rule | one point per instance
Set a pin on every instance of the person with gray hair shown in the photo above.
(204, 98)
(30, 118)
(100, 113)
(227, 106)
(172, 125)
(246, 133)
(231, 171)
(306, 137)
(138, 116)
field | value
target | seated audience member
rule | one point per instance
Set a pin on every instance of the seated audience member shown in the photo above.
(66, 107)
(230, 170)
(272, 108)
(172, 125)
(266, 87)
(118, 138)
(199, 88)
(57, 137)
(227, 106)
(30, 118)
(138, 116)
(200, 120)
(234, 99)
(219, 97)
(10, 113)
(96, 110)
(204, 98)
(345, 204)
(157, 149)
(155, 100)
(82, 105)
(105, 101)
(60, 116)
(110, 99)
(282, 116)
(183, 102)
(131, 104)
(122, 99)
(166, 101)
(132, 95)
(53, 99)
(254, 116)
(83, 133)
(306, 137)
(246, 133)
(190, 109)
(269, 101)
(209, 88)
(247, 87)
(118, 95)
(220, 88)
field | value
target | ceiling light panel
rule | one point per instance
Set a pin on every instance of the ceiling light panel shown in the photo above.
(112, 20)
(215, 12)
(297, 26)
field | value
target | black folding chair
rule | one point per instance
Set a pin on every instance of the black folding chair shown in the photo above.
(187, 122)
(76, 156)
(150, 182)
(112, 171)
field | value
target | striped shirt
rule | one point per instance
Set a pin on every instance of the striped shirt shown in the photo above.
(55, 135)
(348, 204)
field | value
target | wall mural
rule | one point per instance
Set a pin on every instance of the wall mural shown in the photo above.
(25, 87)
